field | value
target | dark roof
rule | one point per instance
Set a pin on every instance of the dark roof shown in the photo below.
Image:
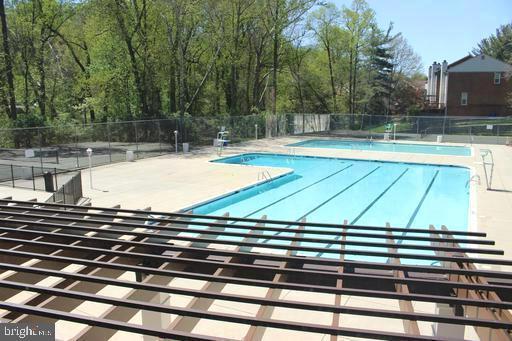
(460, 61)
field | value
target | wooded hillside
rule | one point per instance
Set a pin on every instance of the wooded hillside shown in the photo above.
(108, 60)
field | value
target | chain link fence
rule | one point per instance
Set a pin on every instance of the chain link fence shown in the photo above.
(33, 177)
(469, 130)
(65, 146)
(70, 192)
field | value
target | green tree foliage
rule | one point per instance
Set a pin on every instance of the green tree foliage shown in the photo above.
(498, 45)
(97, 60)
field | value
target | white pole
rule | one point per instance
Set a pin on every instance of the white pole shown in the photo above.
(176, 140)
(394, 132)
(256, 130)
(89, 154)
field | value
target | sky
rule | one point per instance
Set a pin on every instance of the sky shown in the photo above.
(441, 29)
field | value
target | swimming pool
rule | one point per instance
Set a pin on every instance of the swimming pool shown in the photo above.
(363, 192)
(386, 147)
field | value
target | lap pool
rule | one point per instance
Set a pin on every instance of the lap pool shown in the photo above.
(363, 192)
(386, 147)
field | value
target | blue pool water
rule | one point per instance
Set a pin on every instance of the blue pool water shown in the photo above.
(362, 192)
(385, 147)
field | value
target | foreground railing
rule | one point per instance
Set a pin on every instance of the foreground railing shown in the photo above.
(171, 255)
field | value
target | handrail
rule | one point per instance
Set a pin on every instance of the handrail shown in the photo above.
(488, 177)
(264, 175)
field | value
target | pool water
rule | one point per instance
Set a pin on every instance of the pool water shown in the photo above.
(386, 147)
(362, 192)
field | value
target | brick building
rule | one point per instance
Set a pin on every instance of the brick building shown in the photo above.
(471, 86)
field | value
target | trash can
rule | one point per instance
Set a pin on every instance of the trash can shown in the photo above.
(185, 147)
(48, 182)
(130, 156)
(439, 138)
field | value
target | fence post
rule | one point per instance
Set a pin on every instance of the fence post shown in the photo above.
(40, 147)
(497, 134)
(136, 139)
(109, 145)
(33, 179)
(76, 147)
(56, 184)
(159, 137)
(12, 175)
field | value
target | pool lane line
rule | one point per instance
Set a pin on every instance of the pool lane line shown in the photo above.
(326, 201)
(378, 198)
(298, 191)
(411, 220)
(369, 206)
(413, 216)
(268, 182)
(338, 193)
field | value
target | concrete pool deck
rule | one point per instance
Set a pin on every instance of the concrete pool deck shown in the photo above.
(174, 182)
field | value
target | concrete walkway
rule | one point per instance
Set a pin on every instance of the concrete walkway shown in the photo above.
(168, 183)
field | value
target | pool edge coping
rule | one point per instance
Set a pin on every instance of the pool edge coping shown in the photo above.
(472, 222)
(288, 171)
(470, 147)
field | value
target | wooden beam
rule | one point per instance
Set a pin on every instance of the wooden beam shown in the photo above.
(410, 326)
(254, 332)
(339, 284)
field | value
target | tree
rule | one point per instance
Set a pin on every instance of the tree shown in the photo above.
(380, 70)
(8, 63)
(497, 45)
(283, 14)
(359, 20)
(405, 61)
(325, 24)
(111, 60)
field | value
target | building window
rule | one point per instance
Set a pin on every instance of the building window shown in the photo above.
(463, 98)
(497, 78)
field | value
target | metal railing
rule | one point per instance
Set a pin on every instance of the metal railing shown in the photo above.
(31, 177)
(70, 192)
(487, 160)
(65, 147)
(44, 179)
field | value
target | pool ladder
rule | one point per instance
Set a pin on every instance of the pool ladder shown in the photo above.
(264, 175)
(488, 176)
(475, 177)
(291, 155)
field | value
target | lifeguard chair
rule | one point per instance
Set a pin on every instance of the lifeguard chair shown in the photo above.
(221, 140)
(387, 132)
